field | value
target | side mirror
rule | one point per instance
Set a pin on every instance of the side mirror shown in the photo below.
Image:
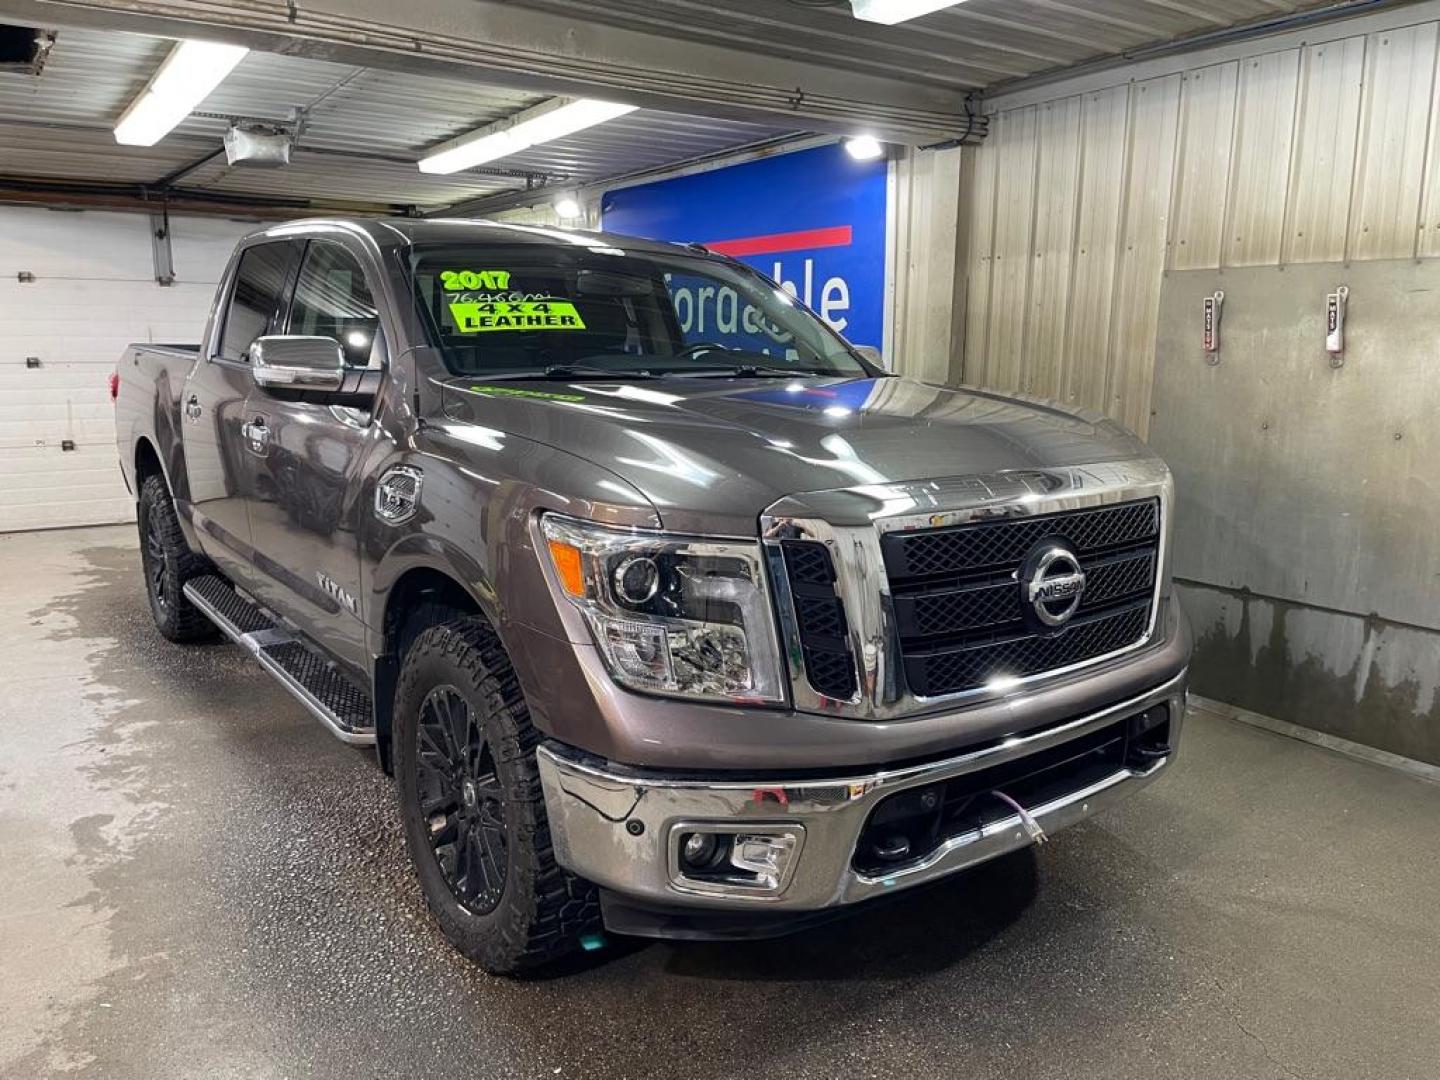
(293, 362)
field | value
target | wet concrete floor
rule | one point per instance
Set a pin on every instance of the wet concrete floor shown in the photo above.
(197, 881)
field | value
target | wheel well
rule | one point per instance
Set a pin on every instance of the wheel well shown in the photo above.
(147, 463)
(420, 598)
(420, 593)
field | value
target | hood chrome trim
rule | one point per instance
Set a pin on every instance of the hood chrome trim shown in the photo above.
(851, 521)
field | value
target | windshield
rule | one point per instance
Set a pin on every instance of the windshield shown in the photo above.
(591, 312)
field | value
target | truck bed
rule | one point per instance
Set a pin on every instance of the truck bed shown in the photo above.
(147, 404)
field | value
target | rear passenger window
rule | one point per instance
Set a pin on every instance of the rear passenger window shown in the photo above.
(255, 300)
(332, 300)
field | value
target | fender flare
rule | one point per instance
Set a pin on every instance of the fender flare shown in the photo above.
(430, 555)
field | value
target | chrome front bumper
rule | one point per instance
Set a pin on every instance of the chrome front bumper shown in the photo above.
(621, 829)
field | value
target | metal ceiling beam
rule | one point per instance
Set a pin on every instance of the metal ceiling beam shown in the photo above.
(505, 44)
(76, 195)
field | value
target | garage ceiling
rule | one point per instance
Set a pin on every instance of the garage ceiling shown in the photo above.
(373, 85)
(971, 46)
(362, 129)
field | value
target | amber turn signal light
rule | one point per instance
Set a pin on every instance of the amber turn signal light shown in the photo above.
(569, 566)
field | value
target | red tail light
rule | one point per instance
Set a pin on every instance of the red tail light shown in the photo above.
(114, 386)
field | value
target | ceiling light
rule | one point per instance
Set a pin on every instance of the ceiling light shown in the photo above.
(553, 119)
(186, 78)
(567, 208)
(864, 148)
(891, 12)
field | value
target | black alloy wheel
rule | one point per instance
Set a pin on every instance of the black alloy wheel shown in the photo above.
(462, 801)
(155, 570)
(472, 803)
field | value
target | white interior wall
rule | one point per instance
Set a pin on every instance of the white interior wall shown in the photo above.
(94, 291)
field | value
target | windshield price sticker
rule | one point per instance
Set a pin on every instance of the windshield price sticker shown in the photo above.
(479, 316)
(466, 280)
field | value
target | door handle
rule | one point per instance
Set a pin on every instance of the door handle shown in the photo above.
(192, 408)
(257, 435)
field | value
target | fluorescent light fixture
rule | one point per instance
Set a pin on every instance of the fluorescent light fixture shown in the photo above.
(186, 78)
(864, 148)
(549, 120)
(890, 12)
(567, 208)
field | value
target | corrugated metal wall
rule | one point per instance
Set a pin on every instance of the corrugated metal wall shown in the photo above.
(925, 283)
(1321, 152)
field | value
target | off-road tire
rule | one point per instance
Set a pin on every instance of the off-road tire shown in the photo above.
(168, 563)
(542, 911)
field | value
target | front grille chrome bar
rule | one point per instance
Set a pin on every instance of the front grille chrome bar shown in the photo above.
(853, 522)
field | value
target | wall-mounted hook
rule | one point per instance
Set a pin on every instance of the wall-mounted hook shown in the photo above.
(1335, 325)
(1214, 304)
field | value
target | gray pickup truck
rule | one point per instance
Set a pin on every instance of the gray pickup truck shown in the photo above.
(671, 613)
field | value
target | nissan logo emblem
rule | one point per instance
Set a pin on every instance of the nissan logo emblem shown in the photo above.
(1052, 583)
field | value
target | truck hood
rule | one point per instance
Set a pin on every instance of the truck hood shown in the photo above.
(712, 454)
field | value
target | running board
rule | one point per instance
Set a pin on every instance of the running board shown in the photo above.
(337, 702)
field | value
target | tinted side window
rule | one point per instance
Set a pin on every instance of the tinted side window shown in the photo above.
(259, 284)
(332, 300)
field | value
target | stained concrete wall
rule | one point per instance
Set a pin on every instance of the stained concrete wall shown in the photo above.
(1359, 677)
(1308, 511)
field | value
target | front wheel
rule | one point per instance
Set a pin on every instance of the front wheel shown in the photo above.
(472, 805)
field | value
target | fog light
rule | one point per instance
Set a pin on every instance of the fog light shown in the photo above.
(766, 858)
(698, 850)
(730, 860)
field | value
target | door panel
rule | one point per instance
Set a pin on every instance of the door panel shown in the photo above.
(309, 488)
(212, 410)
(212, 406)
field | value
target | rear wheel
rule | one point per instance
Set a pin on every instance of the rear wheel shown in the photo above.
(168, 563)
(472, 805)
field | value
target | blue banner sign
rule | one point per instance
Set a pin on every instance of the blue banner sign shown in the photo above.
(813, 220)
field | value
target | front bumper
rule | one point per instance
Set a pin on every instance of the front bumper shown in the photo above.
(622, 828)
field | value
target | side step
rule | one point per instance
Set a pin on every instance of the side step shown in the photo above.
(337, 702)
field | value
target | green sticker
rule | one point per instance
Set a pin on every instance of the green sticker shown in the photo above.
(511, 391)
(486, 316)
(461, 280)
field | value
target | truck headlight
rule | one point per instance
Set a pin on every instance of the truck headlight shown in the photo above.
(671, 614)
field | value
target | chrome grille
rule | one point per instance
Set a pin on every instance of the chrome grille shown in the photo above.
(820, 615)
(958, 604)
(949, 671)
(1122, 575)
(925, 569)
(1004, 543)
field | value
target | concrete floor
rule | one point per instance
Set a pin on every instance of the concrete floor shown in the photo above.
(196, 880)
